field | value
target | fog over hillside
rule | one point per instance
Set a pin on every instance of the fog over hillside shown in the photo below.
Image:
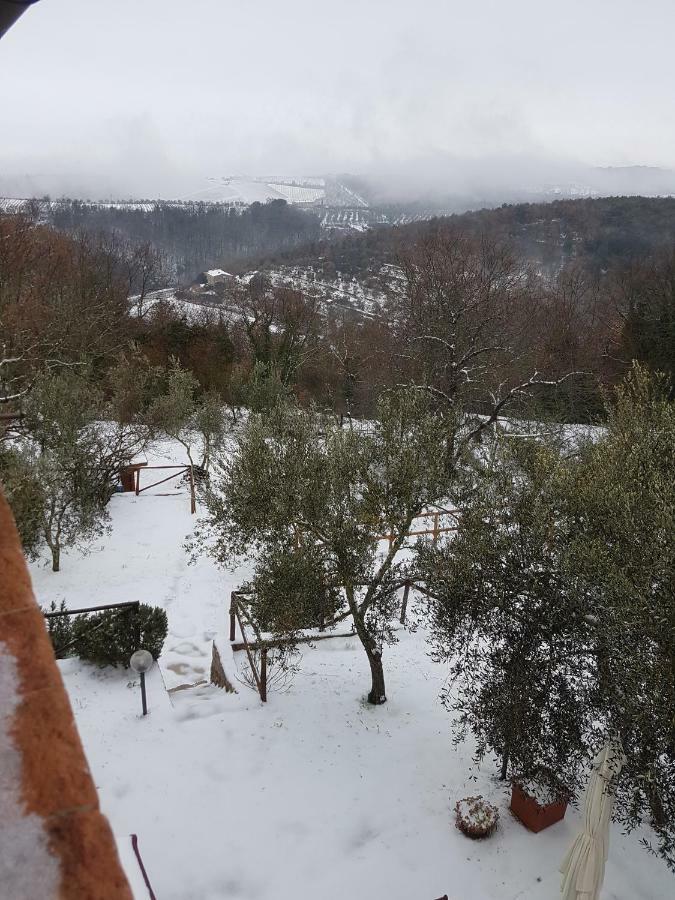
(437, 185)
(438, 99)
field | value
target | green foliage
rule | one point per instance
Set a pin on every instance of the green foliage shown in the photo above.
(621, 499)
(109, 637)
(503, 618)
(60, 630)
(555, 606)
(24, 494)
(295, 475)
(265, 388)
(173, 405)
(209, 422)
(60, 408)
(177, 411)
(649, 322)
(292, 590)
(72, 458)
(64, 460)
(132, 383)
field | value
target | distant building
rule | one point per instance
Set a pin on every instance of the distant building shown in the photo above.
(214, 276)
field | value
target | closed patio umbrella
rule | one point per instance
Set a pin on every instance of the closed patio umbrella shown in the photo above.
(583, 868)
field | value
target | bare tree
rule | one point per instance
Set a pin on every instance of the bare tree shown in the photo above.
(464, 321)
(62, 304)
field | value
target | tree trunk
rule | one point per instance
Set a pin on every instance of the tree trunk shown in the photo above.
(659, 817)
(56, 559)
(505, 764)
(404, 604)
(377, 693)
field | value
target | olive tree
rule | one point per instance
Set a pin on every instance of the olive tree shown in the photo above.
(555, 606)
(71, 456)
(621, 501)
(502, 616)
(179, 411)
(306, 503)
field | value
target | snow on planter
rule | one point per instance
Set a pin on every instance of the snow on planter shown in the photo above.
(475, 817)
(537, 804)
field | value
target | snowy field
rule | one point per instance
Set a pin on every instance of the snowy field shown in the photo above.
(314, 794)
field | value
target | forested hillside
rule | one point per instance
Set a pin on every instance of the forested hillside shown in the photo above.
(595, 232)
(63, 302)
(192, 236)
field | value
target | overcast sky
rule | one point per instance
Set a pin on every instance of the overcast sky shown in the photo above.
(153, 96)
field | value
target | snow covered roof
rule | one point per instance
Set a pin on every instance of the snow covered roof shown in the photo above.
(214, 272)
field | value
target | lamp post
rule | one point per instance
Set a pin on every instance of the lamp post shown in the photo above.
(140, 662)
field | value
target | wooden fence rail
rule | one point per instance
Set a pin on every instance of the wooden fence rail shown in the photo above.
(436, 531)
(182, 470)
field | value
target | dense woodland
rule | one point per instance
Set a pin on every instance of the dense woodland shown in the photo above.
(596, 232)
(191, 237)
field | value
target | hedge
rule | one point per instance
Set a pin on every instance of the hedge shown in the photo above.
(108, 638)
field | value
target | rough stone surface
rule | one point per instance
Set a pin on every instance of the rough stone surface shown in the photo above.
(54, 841)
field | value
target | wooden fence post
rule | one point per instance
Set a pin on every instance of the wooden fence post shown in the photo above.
(138, 480)
(233, 616)
(263, 674)
(404, 604)
(193, 502)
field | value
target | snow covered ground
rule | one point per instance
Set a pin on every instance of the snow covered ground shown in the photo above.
(314, 794)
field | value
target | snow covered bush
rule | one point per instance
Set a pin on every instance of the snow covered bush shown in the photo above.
(24, 493)
(475, 817)
(621, 499)
(109, 637)
(555, 609)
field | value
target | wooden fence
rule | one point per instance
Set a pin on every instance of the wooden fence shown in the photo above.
(259, 676)
(181, 470)
(435, 531)
(260, 673)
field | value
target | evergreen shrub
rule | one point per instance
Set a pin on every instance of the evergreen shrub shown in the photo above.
(109, 637)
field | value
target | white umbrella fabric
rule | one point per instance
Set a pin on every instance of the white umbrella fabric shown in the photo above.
(583, 868)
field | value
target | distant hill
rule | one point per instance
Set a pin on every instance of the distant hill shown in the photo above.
(595, 231)
(342, 243)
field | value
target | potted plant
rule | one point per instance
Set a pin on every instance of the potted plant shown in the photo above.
(538, 799)
(475, 817)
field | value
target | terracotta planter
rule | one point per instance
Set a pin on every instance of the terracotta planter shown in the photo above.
(531, 813)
